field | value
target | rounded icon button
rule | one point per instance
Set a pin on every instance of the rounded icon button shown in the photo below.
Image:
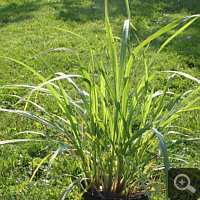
(181, 182)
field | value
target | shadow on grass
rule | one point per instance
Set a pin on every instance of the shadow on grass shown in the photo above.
(148, 16)
(176, 6)
(84, 11)
(16, 12)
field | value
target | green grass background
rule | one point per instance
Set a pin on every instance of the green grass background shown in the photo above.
(28, 29)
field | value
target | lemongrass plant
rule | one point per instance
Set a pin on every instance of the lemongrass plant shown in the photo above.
(99, 130)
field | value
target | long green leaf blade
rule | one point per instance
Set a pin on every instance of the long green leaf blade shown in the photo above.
(163, 148)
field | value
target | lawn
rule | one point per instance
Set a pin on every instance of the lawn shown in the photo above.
(29, 29)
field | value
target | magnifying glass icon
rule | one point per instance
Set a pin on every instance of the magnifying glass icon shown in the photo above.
(182, 182)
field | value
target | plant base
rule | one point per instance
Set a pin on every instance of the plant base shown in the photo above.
(89, 196)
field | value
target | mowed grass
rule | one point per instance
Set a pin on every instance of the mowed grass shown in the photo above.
(28, 29)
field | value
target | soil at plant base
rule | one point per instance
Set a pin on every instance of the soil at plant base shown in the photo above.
(89, 196)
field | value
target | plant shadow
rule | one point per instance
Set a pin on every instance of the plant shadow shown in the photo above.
(16, 12)
(84, 11)
(148, 16)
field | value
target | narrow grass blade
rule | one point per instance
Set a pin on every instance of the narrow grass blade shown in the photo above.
(112, 52)
(144, 186)
(123, 52)
(37, 133)
(157, 34)
(185, 75)
(165, 29)
(55, 94)
(128, 9)
(82, 95)
(22, 140)
(70, 188)
(177, 32)
(137, 135)
(90, 70)
(35, 117)
(55, 155)
(39, 166)
(163, 148)
(143, 174)
(173, 143)
(160, 103)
